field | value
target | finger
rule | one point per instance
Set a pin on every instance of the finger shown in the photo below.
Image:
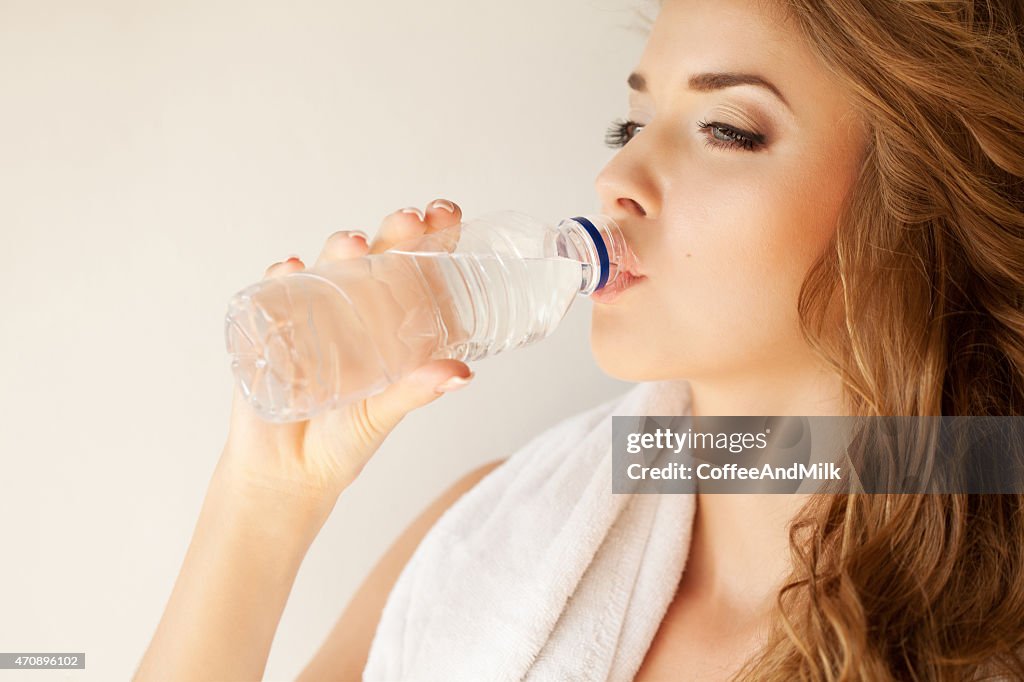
(444, 215)
(441, 214)
(285, 267)
(342, 245)
(397, 227)
(386, 409)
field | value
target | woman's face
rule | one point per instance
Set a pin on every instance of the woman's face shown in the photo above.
(728, 193)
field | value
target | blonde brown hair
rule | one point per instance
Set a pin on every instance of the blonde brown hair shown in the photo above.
(918, 304)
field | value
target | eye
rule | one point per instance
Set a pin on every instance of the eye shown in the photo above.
(620, 132)
(720, 135)
(729, 137)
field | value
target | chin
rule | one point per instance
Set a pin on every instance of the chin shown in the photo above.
(624, 359)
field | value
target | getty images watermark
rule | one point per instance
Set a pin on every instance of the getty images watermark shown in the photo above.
(684, 454)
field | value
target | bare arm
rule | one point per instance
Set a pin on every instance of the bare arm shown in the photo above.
(274, 487)
(343, 655)
(227, 601)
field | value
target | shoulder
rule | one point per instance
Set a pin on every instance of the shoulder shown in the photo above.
(343, 654)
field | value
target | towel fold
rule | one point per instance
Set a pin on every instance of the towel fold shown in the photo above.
(540, 572)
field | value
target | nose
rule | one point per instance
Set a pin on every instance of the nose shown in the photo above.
(627, 186)
(631, 206)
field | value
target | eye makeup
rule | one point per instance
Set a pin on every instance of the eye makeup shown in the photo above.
(716, 134)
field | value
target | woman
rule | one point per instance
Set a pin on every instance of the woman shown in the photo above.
(827, 197)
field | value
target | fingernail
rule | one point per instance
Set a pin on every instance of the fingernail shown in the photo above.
(454, 383)
(413, 209)
(443, 203)
(359, 233)
(293, 258)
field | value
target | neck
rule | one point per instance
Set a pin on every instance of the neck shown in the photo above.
(804, 391)
(739, 552)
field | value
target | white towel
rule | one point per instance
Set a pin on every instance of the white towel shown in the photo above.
(540, 572)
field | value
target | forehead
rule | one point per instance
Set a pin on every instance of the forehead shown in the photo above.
(749, 36)
(693, 26)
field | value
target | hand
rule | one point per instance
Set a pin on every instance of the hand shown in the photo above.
(312, 461)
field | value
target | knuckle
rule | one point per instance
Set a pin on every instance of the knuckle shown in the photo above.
(365, 424)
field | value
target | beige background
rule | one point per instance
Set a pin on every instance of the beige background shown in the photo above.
(155, 157)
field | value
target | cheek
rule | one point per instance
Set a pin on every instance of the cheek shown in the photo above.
(725, 273)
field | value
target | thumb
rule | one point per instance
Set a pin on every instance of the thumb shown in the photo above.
(424, 385)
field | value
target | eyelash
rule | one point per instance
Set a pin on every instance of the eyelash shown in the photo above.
(619, 134)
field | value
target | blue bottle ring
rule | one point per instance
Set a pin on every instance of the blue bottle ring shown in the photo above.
(602, 250)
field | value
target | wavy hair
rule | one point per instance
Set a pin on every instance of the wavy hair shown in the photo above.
(918, 304)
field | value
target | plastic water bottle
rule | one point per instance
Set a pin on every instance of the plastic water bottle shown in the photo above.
(316, 339)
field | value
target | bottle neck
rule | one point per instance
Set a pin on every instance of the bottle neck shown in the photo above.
(597, 243)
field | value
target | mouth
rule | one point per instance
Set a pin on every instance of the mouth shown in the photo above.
(632, 272)
(623, 281)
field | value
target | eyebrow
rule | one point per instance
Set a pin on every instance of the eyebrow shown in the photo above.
(706, 82)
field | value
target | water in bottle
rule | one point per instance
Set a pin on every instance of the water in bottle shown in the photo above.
(316, 339)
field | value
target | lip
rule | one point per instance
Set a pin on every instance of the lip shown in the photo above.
(625, 281)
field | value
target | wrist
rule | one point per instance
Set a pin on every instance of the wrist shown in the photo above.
(295, 508)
